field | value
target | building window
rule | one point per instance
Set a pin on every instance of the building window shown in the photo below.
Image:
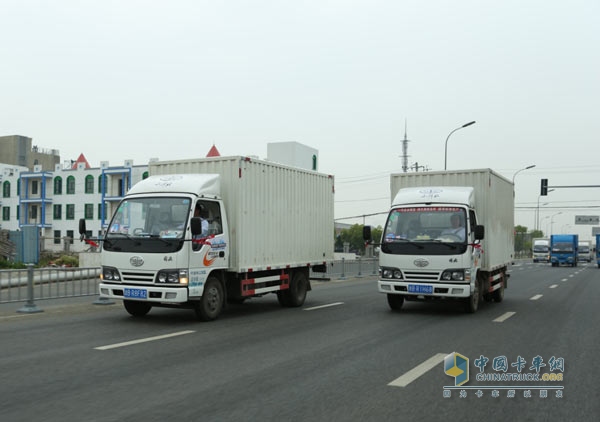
(70, 185)
(5, 213)
(18, 212)
(57, 211)
(57, 237)
(34, 187)
(99, 211)
(33, 212)
(70, 236)
(58, 185)
(6, 189)
(144, 175)
(89, 184)
(70, 211)
(19, 187)
(100, 179)
(89, 211)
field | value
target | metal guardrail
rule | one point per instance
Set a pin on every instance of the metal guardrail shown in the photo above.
(34, 284)
(47, 283)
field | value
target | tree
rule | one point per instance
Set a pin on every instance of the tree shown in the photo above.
(354, 237)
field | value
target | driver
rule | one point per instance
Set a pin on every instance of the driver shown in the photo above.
(457, 228)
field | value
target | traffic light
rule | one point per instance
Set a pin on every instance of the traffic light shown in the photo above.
(544, 190)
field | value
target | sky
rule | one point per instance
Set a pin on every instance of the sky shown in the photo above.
(128, 79)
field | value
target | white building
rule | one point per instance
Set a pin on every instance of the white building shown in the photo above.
(54, 201)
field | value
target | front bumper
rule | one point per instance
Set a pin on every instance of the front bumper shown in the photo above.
(157, 294)
(439, 289)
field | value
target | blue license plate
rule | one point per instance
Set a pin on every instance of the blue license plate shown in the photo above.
(135, 293)
(422, 289)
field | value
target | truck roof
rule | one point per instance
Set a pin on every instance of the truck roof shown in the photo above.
(196, 184)
(435, 194)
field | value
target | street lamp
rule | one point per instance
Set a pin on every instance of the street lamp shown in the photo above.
(519, 171)
(552, 222)
(446, 146)
(537, 219)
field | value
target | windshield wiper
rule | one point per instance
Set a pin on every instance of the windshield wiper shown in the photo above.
(451, 245)
(404, 239)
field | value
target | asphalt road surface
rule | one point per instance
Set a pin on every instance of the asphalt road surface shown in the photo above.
(343, 356)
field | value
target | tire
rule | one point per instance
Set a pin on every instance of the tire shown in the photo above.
(498, 294)
(136, 308)
(395, 302)
(295, 295)
(210, 304)
(472, 302)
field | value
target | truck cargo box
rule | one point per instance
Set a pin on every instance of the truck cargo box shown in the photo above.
(278, 215)
(493, 203)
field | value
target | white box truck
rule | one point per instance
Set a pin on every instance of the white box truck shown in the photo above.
(584, 251)
(541, 249)
(260, 228)
(448, 235)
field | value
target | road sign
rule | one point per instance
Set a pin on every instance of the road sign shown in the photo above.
(587, 219)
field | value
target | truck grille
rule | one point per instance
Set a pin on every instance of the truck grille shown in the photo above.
(138, 276)
(422, 275)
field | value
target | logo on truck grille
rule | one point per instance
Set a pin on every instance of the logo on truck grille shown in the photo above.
(136, 261)
(421, 262)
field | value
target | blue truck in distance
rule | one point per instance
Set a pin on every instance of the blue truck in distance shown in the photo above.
(563, 249)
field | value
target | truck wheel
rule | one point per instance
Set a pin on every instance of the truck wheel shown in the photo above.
(472, 302)
(137, 309)
(210, 304)
(499, 293)
(395, 301)
(296, 294)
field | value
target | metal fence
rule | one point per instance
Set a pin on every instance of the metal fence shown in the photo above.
(34, 284)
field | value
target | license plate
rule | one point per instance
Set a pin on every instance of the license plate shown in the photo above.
(418, 288)
(135, 293)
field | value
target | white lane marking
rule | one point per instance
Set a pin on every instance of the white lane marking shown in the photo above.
(143, 340)
(554, 286)
(418, 370)
(536, 297)
(324, 306)
(572, 275)
(504, 317)
(564, 279)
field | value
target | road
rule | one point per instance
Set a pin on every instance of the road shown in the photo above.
(343, 356)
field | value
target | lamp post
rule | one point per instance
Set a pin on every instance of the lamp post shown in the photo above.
(519, 171)
(537, 219)
(446, 146)
(552, 222)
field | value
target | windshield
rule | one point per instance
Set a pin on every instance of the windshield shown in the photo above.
(562, 247)
(425, 230)
(584, 249)
(540, 248)
(148, 224)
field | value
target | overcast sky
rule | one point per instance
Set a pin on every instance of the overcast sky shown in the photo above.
(123, 79)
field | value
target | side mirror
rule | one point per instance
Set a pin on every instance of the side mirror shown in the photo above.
(82, 227)
(196, 226)
(479, 232)
(367, 236)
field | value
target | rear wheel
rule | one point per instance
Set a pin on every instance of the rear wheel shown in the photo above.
(295, 295)
(210, 305)
(395, 301)
(137, 309)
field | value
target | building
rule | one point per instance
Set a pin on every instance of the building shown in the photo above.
(54, 201)
(18, 150)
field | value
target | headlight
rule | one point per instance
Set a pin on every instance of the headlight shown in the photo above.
(110, 274)
(391, 273)
(453, 275)
(172, 277)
